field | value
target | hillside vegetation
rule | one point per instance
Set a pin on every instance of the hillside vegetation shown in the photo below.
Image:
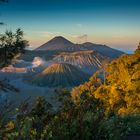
(11, 46)
(120, 93)
(96, 110)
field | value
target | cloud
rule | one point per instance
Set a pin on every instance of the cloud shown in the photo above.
(79, 25)
(46, 34)
(74, 36)
(79, 38)
(84, 36)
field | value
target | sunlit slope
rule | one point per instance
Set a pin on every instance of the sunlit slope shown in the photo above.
(88, 61)
(60, 75)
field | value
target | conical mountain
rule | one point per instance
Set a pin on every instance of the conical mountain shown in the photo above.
(61, 44)
(60, 75)
(57, 43)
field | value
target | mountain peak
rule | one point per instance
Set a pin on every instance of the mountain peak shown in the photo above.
(60, 74)
(59, 38)
(57, 43)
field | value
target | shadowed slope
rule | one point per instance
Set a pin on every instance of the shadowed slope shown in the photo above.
(103, 49)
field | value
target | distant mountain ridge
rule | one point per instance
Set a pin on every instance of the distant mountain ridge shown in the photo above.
(59, 43)
(103, 49)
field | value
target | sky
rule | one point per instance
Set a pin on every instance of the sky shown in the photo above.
(115, 23)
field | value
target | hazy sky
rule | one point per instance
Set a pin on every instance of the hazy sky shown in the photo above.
(112, 22)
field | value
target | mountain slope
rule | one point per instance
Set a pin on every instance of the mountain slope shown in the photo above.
(103, 49)
(60, 75)
(61, 44)
(88, 61)
(57, 43)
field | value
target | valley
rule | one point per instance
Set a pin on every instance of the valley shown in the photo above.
(69, 70)
(59, 63)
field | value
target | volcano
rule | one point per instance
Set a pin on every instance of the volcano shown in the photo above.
(57, 43)
(61, 44)
(60, 75)
(87, 61)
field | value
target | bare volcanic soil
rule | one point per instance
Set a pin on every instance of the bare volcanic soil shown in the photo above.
(60, 75)
(87, 61)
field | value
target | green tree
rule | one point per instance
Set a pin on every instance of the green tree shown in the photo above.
(138, 49)
(11, 44)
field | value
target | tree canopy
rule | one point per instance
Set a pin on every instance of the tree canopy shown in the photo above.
(96, 110)
(121, 94)
(11, 45)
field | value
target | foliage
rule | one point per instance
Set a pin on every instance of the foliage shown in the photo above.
(117, 128)
(92, 111)
(121, 91)
(11, 45)
(83, 121)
